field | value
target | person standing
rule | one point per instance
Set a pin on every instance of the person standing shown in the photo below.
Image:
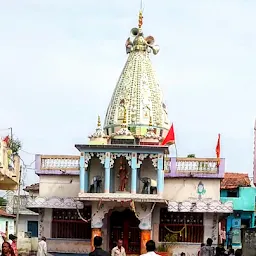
(119, 249)
(199, 252)
(12, 241)
(150, 247)
(97, 241)
(207, 250)
(230, 237)
(7, 249)
(42, 247)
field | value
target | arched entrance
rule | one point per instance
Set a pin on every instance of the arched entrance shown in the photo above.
(124, 225)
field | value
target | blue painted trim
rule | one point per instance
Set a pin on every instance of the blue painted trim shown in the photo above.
(86, 180)
(82, 173)
(107, 173)
(160, 174)
(124, 150)
(134, 173)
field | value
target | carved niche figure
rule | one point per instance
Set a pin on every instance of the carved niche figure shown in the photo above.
(149, 186)
(96, 183)
(121, 110)
(122, 175)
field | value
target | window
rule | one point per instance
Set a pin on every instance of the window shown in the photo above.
(67, 224)
(232, 193)
(33, 228)
(181, 227)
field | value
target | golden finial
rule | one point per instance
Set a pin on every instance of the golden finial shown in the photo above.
(141, 15)
(150, 121)
(140, 19)
(125, 118)
(99, 123)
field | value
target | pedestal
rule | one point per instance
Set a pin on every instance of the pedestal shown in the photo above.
(95, 232)
(145, 236)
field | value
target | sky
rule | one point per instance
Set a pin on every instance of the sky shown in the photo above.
(60, 61)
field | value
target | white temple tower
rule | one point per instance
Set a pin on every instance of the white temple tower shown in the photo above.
(137, 92)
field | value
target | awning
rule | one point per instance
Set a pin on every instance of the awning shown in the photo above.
(53, 202)
(200, 206)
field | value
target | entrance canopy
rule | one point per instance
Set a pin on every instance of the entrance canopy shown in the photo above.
(200, 206)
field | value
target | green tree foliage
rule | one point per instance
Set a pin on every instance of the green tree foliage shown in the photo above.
(3, 202)
(15, 145)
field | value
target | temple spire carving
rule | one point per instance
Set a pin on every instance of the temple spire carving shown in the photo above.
(98, 137)
(137, 96)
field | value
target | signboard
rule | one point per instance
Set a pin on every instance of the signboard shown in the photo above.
(236, 236)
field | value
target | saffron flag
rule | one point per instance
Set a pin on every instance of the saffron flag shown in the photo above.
(170, 137)
(218, 151)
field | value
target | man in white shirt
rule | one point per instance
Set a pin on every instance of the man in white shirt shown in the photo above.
(119, 249)
(150, 247)
(42, 247)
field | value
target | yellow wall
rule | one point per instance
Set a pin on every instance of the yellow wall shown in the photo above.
(183, 189)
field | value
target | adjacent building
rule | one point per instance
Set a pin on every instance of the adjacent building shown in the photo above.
(6, 224)
(123, 184)
(9, 168)
(28, 220)
(236, 188)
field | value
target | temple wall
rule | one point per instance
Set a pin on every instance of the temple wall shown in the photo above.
(175, 249)
(60, 186)
(68, 246)
(60, 245)
(182, 189)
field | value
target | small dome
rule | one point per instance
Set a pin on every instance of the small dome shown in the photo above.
(98, 137)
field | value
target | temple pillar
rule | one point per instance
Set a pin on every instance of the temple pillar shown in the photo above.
(82, 173)
(145, 236)
(95, 232)
(107, 172)
(134, 173)
(86, 181)
(160, 175)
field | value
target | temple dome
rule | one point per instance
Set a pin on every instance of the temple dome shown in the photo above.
(138, 91)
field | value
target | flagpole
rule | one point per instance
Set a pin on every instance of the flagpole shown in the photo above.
(176, 150)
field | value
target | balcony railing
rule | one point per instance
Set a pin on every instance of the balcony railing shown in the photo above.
(208, 165)
(173, 167)
(204, 167)
(57, 163)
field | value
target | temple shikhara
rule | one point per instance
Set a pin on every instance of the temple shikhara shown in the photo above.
(123, 184)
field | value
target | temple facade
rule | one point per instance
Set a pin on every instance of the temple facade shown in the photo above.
(122, 184)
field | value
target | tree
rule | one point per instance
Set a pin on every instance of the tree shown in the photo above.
(191, 156)
(3, 202)
(15, 146)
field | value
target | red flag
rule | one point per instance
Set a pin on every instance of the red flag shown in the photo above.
(218, 150)
(6, 139)
(170, 137)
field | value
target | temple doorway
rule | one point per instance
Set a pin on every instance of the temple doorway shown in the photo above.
(124, 225)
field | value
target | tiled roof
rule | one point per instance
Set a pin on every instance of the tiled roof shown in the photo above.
(5, 214)
(33, 187)
(235, 180)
